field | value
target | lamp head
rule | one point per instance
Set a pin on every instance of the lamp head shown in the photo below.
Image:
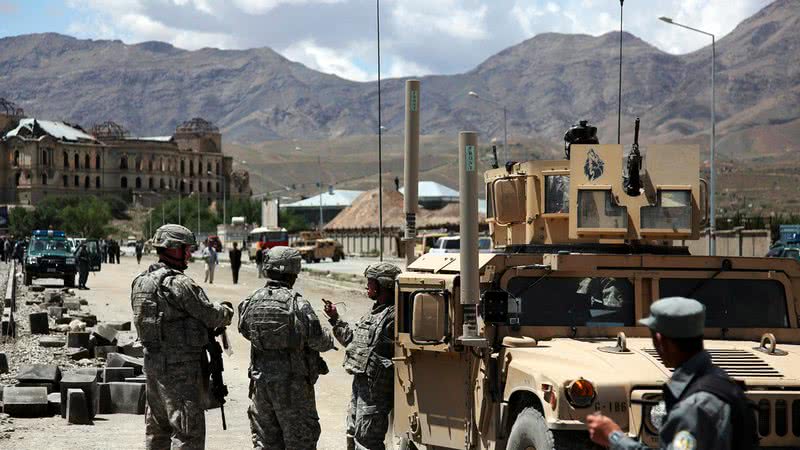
(473, 94)
(665, 19)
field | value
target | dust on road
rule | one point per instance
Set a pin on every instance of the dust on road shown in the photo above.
(109, 299)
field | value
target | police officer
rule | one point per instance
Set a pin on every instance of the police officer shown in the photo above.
(705, 408)
(286, 338)
(82, 255)
(173, 317)
(368, 357)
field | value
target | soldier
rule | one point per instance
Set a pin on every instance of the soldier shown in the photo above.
(705, 408)
(173, 317)
(286, 338)
(368, 357)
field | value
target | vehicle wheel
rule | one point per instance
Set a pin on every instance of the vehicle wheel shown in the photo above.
(316, 260)
(335, 258)
(406, 444)
(28, 279)
(530, 432)
(69, 281)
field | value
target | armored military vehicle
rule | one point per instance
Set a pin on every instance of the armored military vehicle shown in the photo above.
(313, 247)
(513, 349)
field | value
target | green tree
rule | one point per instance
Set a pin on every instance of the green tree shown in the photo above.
(245, 207)
(21, 222)
(90, 218)
(292, 222)
(188, 215)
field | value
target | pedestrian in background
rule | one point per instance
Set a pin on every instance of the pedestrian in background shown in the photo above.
(8, 249)
(104, 251)
(174, 349)
(705, 408)
(82, 255)
(139, 250)
(286, 338)
(235, 256)
(259, 259)
(369, 348)
(110, 250)
(117, 250)
(211, 259)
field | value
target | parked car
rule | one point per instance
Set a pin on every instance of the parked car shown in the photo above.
(781, 251)
(452, 244)
(49, 255)
(314, 248)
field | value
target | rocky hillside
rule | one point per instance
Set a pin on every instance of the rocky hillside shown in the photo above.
(548, 82)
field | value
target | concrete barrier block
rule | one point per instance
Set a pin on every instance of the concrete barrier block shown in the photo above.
(54, 403)
(52, 341)
(134, 349)
(25, 401)
(102, 404)
(49, 386)
(104, 350)
(140, 379)
(78, 407)
(120, 326)
(56, 312)
(8, 327)
(106, 331)
(39, 373)
(3, 363)
(78, 339)
(127, 398)
(120, 360)
(77, 354)
(115, 374)
(64, 320)
(86, 383)
(39, 323)
(72, 305)
(96, 372)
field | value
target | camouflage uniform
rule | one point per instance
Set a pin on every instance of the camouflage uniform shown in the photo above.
(368, 357)
(286, 338)
(172, 316)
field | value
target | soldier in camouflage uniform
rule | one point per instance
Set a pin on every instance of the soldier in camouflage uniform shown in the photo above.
(173, 316)
(368, 357)
(286, 338)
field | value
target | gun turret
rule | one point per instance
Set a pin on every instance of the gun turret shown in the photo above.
(632, 183)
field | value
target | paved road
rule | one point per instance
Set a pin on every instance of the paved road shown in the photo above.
(109, 299)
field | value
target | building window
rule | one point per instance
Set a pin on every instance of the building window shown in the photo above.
(208, 166)
(191, 167)
(150, 183)
(138, 183)
(87, 161)
(97, 182)
(218, 168)
(191, 186)
(161, 183)
(208, 186)
(16, 157)
(124, 182)
(183, 186)
(86, 183)
(123, 162)
(97, 162)
(65, 157)
(76, 162)
(139, 163)
(16, 178)
(182, 166)
(161, 164)
(77, 181)
(44, 179)
(200, 186)
(170, 184)
(217, 187)
(150, 165)
(65, 180)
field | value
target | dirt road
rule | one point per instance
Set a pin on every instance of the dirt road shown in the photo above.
(109, 299)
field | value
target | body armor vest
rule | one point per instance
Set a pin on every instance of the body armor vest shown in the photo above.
(366, 339)
(272, 322)
(160, 325)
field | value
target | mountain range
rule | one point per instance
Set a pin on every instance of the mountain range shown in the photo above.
(547, 83)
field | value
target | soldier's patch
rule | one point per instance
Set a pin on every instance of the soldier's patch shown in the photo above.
(684, 441)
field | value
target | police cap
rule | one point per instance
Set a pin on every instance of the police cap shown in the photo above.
(676, 317)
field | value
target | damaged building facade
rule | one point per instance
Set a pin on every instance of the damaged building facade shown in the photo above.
(43, 157)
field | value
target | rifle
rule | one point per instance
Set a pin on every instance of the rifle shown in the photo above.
(632, 182)
(215, 368)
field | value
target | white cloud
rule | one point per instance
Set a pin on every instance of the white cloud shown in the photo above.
(400, 67)
(263, 6)
(326, 60)
(452, 17)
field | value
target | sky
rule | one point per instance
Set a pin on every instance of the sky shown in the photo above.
(418, 37)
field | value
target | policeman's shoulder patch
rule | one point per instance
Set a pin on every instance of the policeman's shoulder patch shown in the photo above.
(684, 440)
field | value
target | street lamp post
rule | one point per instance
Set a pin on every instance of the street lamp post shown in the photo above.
(505, 117)
(712, 241)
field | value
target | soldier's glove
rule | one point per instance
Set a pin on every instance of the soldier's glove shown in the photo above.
(229, 307)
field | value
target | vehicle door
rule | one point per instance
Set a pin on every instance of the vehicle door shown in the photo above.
(93, 246)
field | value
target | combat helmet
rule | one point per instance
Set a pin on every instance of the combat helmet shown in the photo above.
(282, 259)
(173, 236)
(385, 273)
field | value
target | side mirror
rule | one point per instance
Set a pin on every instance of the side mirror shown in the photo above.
(429, 323)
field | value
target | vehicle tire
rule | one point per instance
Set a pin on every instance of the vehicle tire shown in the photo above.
(69, 281)
(406, 444)
(335, 258)
(530, 431)
(28, 279)
(316, 260)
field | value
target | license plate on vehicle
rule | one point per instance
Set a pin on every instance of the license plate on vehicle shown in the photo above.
(51, 269)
